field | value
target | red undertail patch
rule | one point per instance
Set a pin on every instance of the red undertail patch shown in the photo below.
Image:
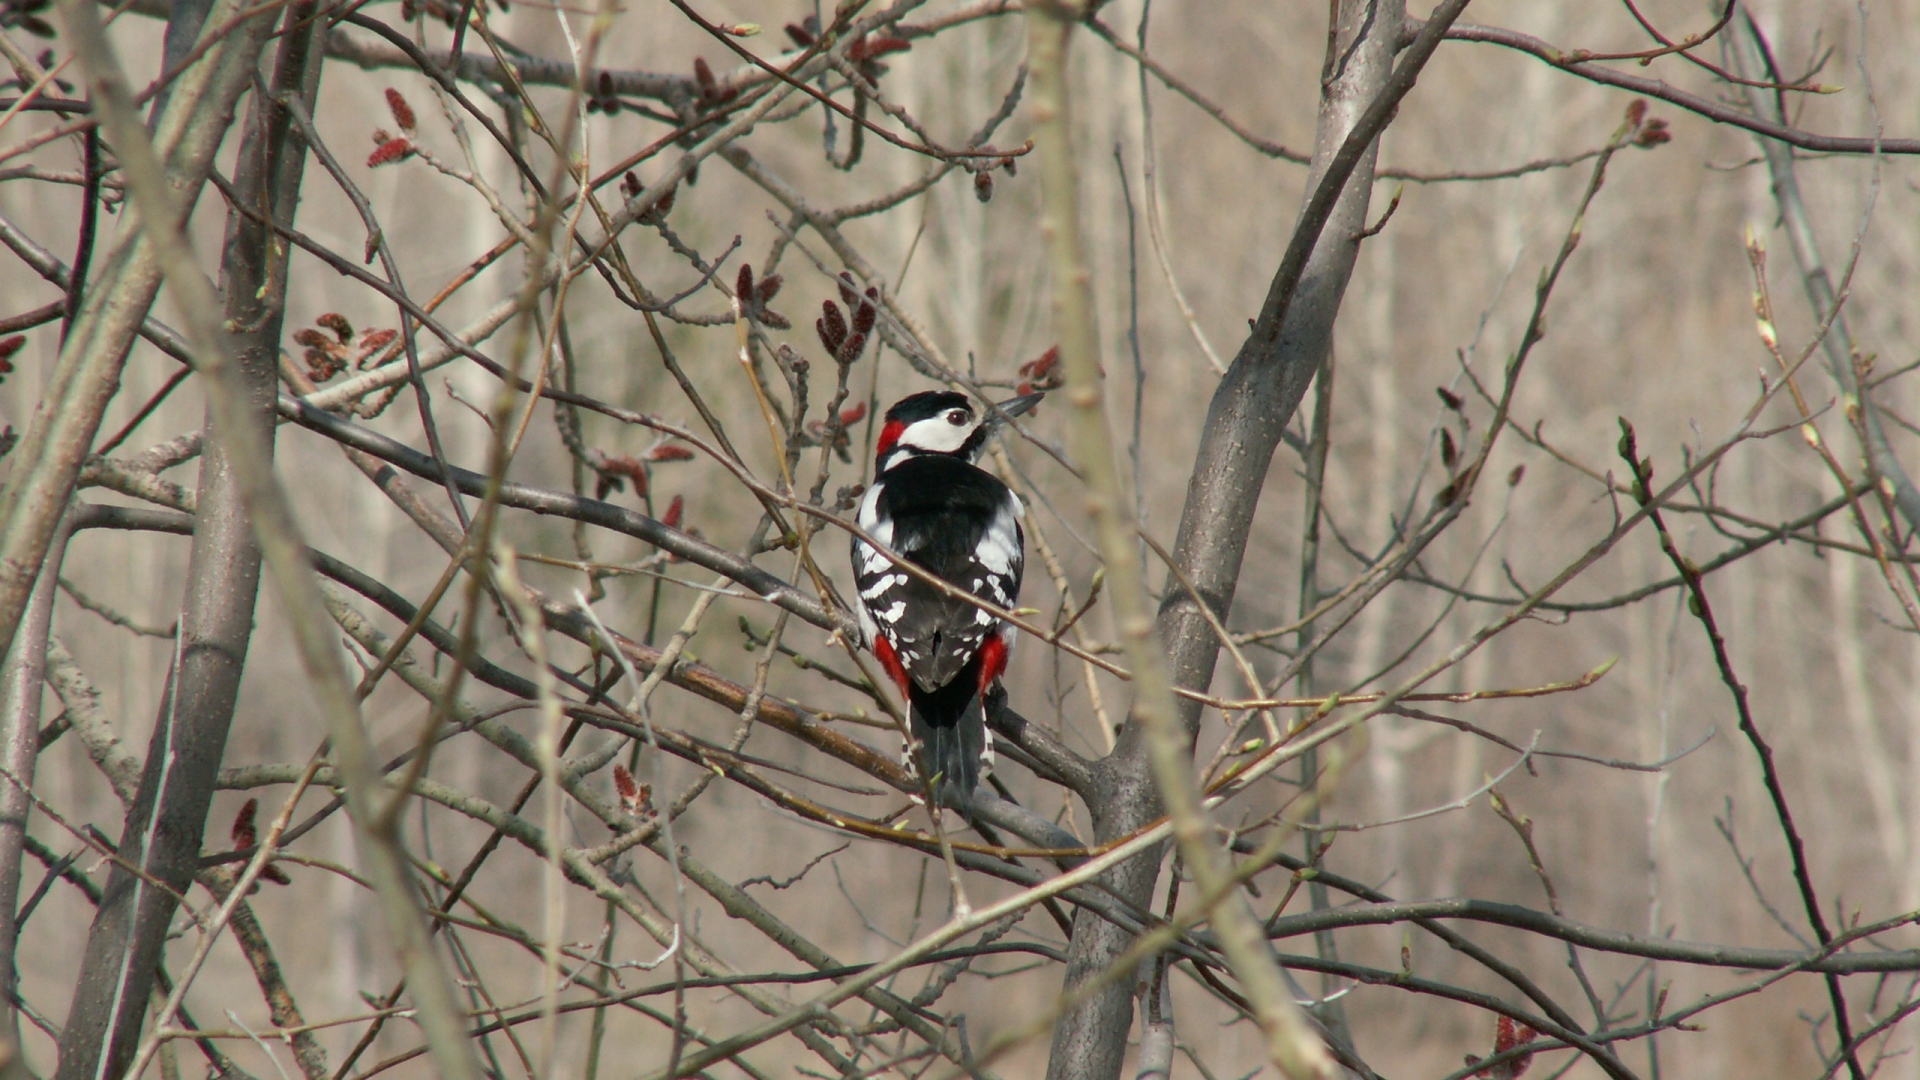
(993, 660)
(883, 649)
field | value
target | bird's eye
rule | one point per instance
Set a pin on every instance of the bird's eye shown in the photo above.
(957, 417)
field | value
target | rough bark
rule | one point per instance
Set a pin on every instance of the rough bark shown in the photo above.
(165, 825)
(20, 695)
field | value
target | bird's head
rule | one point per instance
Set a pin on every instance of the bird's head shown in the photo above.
(942, 422)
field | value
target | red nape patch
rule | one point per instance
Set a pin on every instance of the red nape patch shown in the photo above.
(883, 649)
(889, 435)
(993, 660)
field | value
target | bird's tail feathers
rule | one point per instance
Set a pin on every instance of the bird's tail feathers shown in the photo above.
(952, 742)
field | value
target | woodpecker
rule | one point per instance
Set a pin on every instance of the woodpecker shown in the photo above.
(935, 509)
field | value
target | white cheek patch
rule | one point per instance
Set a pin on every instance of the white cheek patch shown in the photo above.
(937, 435)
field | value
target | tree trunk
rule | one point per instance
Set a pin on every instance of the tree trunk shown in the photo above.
(166, 824)
(1250, 409)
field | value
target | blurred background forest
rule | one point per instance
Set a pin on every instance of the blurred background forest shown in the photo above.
(1653, 320)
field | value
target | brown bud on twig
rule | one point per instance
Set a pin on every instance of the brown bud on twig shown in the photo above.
(983, 186)
(635, 798)
(328, 356)
(402, 112)
(612, 467)
(338, 324)
(872, 48)
(753, 298)
(1507, 1036)
(831, 326)
(711, 92)
(675, 511)
(245, 835)
(322, 356)
(1453, 401)
(669, 452)
(389, 152)
(371, 342)
(1041, 368)
(1041, 373)
(604, 99)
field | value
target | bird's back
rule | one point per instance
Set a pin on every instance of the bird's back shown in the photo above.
(960, 524)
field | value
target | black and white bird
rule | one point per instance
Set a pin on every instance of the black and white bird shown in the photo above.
(934, 508)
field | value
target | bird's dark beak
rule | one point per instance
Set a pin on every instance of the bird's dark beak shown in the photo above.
(1020, 406)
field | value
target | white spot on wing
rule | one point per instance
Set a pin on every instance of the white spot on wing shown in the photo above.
(871, 520)
(1000, 547)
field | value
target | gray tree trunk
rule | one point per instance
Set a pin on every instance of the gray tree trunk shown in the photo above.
(21, 689)
(1250, 409)
(165, 826)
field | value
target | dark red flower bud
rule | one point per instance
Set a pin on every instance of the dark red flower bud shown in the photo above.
(244, 833)
(389, 152)
(402, 112)
(335, 322)
(832, 326)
